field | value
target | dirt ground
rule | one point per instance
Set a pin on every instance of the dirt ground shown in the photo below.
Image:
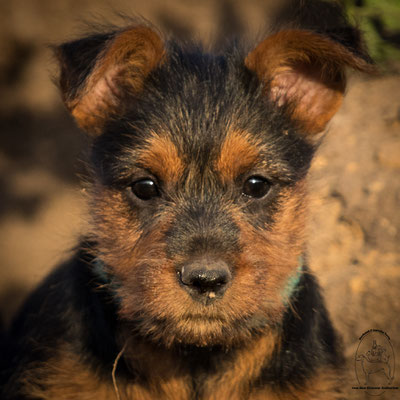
(354, 229)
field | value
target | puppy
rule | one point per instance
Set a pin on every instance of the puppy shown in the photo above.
(193, 282)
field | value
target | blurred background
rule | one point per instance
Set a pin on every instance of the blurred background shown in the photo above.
(354, 228)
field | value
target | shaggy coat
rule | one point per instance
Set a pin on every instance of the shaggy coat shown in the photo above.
(193, 282)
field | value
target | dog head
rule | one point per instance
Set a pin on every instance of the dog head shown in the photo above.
(199, 160)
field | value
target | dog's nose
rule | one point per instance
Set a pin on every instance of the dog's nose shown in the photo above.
(205, 278)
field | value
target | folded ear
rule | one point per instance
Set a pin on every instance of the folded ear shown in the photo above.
(99, 71)
(305, 70)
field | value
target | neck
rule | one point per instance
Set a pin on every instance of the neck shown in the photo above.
(265, 358)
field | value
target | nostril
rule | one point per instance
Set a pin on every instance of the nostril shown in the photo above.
(208, 280)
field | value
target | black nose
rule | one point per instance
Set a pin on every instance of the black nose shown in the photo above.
(205, 278)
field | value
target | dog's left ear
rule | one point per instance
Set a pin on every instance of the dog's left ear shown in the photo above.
(305, 70)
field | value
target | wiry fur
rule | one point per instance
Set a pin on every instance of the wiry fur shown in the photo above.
(117, 319)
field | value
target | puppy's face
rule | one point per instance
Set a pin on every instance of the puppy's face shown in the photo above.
(200, 242)
(198, 192)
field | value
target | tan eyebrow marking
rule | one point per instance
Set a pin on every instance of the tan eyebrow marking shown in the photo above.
(161, 157)
(239, 152)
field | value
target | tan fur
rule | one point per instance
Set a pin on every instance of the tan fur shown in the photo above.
(65, 377)
(323, 386)
(239, 153)
(124, 65)
(149, 284)
(274, 252)
(234, 378)
(68, 377)
(160, 156)
(307, 70)
(156, 315)
(113, 226)
(150, 288)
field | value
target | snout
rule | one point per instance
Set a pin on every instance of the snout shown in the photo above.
(205, 279)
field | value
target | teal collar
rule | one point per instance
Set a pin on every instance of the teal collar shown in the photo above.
(293, 281)
(101, 273)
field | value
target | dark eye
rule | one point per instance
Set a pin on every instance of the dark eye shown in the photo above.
(256, 186)
(145, 189)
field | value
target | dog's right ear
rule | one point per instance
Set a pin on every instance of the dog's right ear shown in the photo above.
(307, 71)
(98, 72)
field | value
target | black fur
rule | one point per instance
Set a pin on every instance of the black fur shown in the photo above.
(196, 99)
(74, 310)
